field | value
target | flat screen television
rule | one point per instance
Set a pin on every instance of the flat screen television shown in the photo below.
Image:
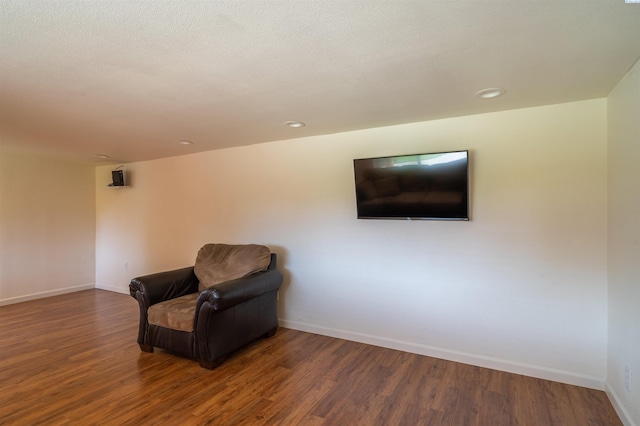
(422, 186)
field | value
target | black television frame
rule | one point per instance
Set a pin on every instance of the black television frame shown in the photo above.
(444, 189)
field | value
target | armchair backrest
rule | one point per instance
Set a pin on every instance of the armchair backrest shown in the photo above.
(218, 263)
(274, 261)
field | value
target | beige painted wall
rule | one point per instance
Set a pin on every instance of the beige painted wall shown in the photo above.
(47, 226)
(521, 287)
(624, 243)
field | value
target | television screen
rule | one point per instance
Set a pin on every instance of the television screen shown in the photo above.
(422, 186)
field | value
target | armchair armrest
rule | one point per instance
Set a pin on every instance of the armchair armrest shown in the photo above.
(163, 286)
(155, 288)
(225, 295)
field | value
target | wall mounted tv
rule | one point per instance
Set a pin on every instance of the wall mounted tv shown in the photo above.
(421, 186)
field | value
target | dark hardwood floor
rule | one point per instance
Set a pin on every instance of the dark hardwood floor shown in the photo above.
(73, 360)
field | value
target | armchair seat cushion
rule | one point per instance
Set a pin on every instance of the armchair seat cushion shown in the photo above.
(176, 314)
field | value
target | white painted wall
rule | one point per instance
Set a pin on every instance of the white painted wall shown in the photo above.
(47, 226)
(624, 244)
(521, 287)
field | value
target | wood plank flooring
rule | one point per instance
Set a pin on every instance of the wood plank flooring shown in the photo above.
(73, 360)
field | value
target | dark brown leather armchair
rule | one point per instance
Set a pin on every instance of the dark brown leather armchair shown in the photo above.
(207, 326)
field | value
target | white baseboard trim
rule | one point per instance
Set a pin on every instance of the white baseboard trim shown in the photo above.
(113, 288)
(624, 415)
(43, 294)
(451, 355)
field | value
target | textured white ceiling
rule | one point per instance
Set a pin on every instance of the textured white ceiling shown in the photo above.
(130, 78)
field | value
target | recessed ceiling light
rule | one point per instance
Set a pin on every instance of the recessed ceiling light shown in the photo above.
(183, 142)
(101, 156)
(491, 93)
(294, 124)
